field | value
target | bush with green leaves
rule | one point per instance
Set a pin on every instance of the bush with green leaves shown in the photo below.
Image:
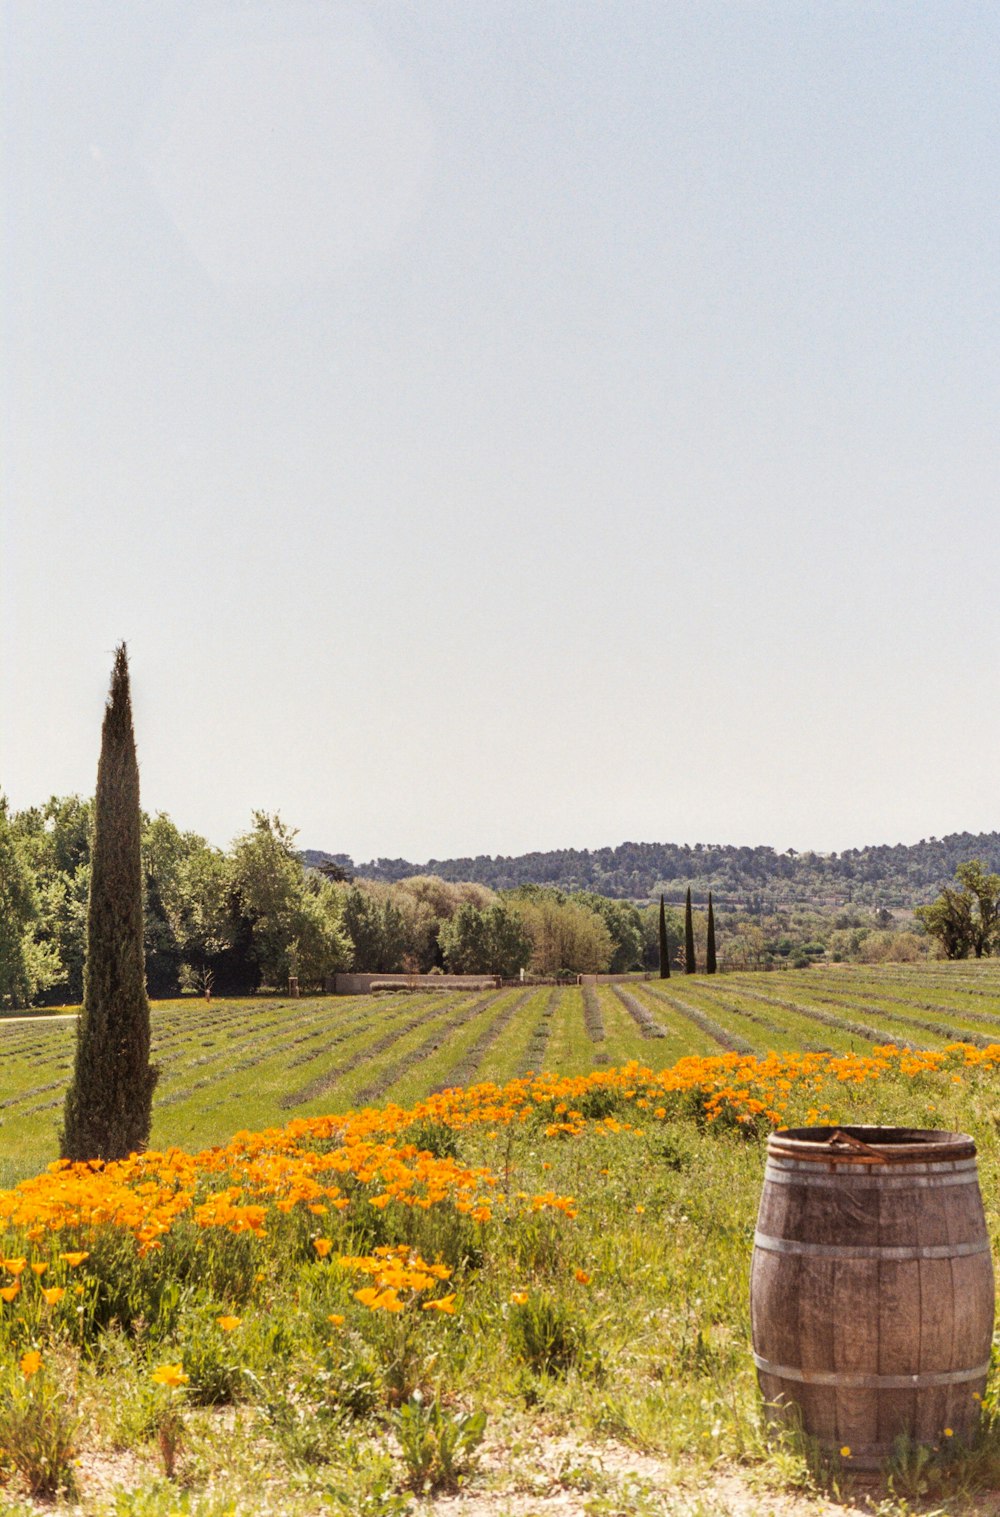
(438, 1443)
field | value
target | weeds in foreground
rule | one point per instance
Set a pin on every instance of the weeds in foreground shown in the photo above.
(545, 1333)
(38, 1426)
(438, 1444)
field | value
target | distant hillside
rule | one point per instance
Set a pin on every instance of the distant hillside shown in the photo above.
(758, 878)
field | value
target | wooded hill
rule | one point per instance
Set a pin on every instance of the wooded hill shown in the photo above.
(755, 879)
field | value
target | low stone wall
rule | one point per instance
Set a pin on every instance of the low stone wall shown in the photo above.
(615, 979)
(361, 984)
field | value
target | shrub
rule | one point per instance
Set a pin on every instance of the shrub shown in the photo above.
(438, 1445)
(545, 1335)
(38, 1426)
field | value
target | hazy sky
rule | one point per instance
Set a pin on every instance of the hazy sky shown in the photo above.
(497, 426)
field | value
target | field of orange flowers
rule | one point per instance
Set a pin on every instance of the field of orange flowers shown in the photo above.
(578, 1244)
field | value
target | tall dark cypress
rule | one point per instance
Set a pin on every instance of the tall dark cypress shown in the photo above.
(109, 1103)
(710, 945)
(664, 944)
(689, 963)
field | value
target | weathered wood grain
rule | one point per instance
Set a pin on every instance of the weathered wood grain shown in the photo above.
(872, 1287)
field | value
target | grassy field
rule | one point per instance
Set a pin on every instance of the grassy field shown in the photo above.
(253, 1063)
(526, 1297)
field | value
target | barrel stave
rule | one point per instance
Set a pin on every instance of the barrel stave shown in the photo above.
(898, 1346)
(972, 1291)
(835, 1216)
(816, 1344)
(937, 1331)
(854, 1307)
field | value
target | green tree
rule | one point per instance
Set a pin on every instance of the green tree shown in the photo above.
(28, 964)
(689, 956)
(710, 959)
(294, 924)
(56, 841)
(966, 920)
(567, 936)
(744, 948)
(490, 941)
(110, 1100)
(649, 917)
(664, 942)
(320, 946)
(376, 928)
(624, 923)
(267, 882)
(189, 923)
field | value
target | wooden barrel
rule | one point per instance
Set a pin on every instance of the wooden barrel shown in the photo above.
(871, 1289)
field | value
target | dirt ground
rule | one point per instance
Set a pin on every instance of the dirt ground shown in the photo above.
(555, 1477)
(567, 1479)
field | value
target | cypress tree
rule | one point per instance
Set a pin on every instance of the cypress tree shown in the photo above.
(689, 963)
(710, 945)
(109, 1103)
(664, 944)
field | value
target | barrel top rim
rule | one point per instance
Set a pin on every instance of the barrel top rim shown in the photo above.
(868, 1144)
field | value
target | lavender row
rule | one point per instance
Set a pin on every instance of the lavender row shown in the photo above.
(730, 1041)
(369, 1094)
(464, 1072)
(323, 1083)
(534, 1054)
(592, 1018)
(827, 1019)
(641, 1015)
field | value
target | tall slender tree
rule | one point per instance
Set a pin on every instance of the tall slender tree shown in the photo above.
(664, 943)
(710, 961)
(689, 960)
(109, 1103)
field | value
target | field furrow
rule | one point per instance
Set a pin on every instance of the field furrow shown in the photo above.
(571, 1048)
(467, 1068)
(875, 990)
(864, 1030)
(388, 1084)
(533, 1055)
(326, 1083)
(592, 1018)
(641, 1015)
(948, 1032)
(721, 1036)
(780, 1029)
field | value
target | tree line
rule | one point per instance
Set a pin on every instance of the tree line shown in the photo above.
(240, 919)
(759, 881)
(244, 918)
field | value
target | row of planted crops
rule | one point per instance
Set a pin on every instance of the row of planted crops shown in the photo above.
(226, 1063)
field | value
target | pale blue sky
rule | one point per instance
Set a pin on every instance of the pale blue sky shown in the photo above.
(506, 426)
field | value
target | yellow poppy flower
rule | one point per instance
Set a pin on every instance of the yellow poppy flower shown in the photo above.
(170, 1374)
